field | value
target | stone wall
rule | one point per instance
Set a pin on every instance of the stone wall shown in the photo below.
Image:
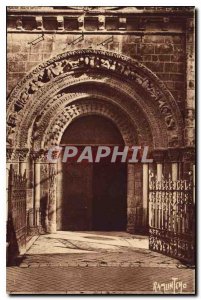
(157, 41)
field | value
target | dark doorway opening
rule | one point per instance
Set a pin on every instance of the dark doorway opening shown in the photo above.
(94, 195)
(109, 197)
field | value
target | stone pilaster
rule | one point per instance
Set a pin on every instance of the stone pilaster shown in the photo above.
(190, 80)
(188, 160)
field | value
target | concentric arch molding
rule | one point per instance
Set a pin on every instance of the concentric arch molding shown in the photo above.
(98, 61)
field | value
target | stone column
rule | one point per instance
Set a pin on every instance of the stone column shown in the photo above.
(188, 160)
(194, 184)
(59, 193)
(30, 194)
(23, 160)
(159, 171)
(9, 152)
(158, 158)
(145, 192)
(130, 198)
(36, 156)
(174, 171)
(190, 79)
(174, 156)
(189, 150)
(52, 199)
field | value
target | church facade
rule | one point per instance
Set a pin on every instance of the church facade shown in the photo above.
(98, 76)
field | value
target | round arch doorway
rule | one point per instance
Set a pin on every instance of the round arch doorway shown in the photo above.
(93, 195)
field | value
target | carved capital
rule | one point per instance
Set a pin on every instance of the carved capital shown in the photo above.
(39, 156)
(189, 154)
(173, 154)
(22, 154)
(9, 153)
(159, 155)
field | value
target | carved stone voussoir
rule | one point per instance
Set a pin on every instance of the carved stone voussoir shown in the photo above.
(98, 60)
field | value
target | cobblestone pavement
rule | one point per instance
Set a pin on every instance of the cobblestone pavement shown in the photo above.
(87, 262)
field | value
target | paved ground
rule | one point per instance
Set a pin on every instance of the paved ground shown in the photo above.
(88, 262)
(73, 280)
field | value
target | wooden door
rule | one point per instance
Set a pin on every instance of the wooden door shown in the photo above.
(77, 196)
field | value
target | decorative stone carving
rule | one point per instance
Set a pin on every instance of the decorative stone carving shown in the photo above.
(174, 155)
(23, 98)
(82, 60)
(189, 154)
(38, 156)
(39, 22)
(22, 154)
(159, 155)
(53, 133)
(166, 22)
(19, 25)
(9, 153)
(101, 22)
(173, 141)
(122, 23)
(10, 131)
(81, 23)
(12, 119)
(60, 22)
(142, 24)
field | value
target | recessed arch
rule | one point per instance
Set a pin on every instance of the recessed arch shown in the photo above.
(115, 71)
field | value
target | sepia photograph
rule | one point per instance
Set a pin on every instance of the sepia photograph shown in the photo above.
(100, 150)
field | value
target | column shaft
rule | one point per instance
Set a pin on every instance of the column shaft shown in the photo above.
(37, 193)
(174, 171)
(159, 171)
(145, 192)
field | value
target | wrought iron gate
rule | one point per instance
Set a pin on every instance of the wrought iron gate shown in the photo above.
(172, 218)
(16, 224)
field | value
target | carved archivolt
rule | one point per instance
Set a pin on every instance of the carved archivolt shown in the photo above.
(139, 128)
(56, 128)
(26, 95)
